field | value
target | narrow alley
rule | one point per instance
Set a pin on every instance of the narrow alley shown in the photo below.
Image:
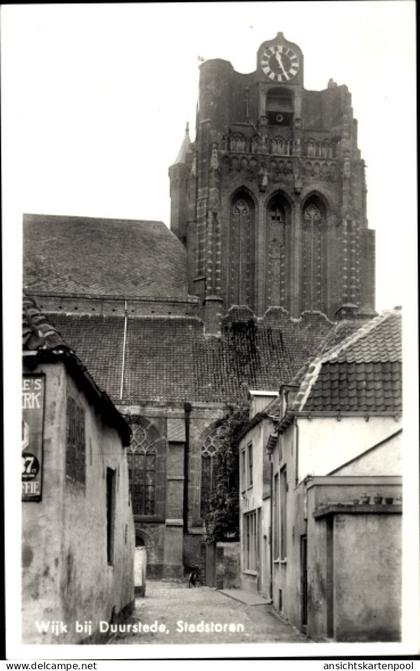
(172, 613)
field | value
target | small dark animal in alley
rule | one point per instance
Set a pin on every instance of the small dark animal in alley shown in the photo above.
(194, 578)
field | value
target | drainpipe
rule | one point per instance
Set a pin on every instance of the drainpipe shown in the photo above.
(271, 443)
(187, 419)
(124, 346)
(271, 525)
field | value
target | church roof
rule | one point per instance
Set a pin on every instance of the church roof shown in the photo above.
(41, 337)
(171, 359)
(360, 374)
(102, 257)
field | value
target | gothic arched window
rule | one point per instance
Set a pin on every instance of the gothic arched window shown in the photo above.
(278, 252)
(314, 255)
(241, 251)
(209, 452)
(141, 458)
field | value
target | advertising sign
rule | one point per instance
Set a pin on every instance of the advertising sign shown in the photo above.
(33, 394)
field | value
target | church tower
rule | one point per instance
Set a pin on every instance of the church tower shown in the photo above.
(270, 198)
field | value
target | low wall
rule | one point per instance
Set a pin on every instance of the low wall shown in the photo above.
(367, 577)
(354, 561)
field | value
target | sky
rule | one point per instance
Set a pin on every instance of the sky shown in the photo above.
(96, 97)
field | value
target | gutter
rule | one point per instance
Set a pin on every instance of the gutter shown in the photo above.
(291, 415)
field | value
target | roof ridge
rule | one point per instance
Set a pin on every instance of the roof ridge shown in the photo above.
(357, 335)
(81, 217)
(307, 383)
(300, 375)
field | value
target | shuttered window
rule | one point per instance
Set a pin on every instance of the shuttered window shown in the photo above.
(75, 441)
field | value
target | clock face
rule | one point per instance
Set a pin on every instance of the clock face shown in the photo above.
(279, 63)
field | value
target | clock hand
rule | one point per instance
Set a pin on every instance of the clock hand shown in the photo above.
(280, 62)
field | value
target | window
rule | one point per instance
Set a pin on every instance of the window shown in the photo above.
(247, 467)
(279, 99)
(208, 480)
(276, 530)
(142, 472)
(250, 465)
(142, 482)
(279, 106)
(250, 541)
(208, 470)
(75, 441)
(283, 513)
(241, 250)
(278, 252)
(110, 514)
(314, 255)
(243, 470)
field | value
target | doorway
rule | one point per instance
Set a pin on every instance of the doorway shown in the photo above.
(140, 563)
(304, 581)
(210, 577)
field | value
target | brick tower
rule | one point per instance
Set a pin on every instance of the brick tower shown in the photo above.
(270, 198)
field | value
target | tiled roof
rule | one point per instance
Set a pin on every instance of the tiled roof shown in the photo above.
(382, 343)
(328, 338)
(171, 358)
(360, 374)
(361, 387)
(111, 257)
(37, 331)
(40, 335)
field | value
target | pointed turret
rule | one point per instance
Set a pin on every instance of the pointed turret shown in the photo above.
(178, 175)
(185, 147)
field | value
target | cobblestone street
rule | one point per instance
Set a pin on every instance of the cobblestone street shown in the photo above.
(178, 611)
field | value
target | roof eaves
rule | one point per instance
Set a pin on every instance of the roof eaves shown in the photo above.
(367, 451)
(109, 413)
(256, 419)
(286, 421)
